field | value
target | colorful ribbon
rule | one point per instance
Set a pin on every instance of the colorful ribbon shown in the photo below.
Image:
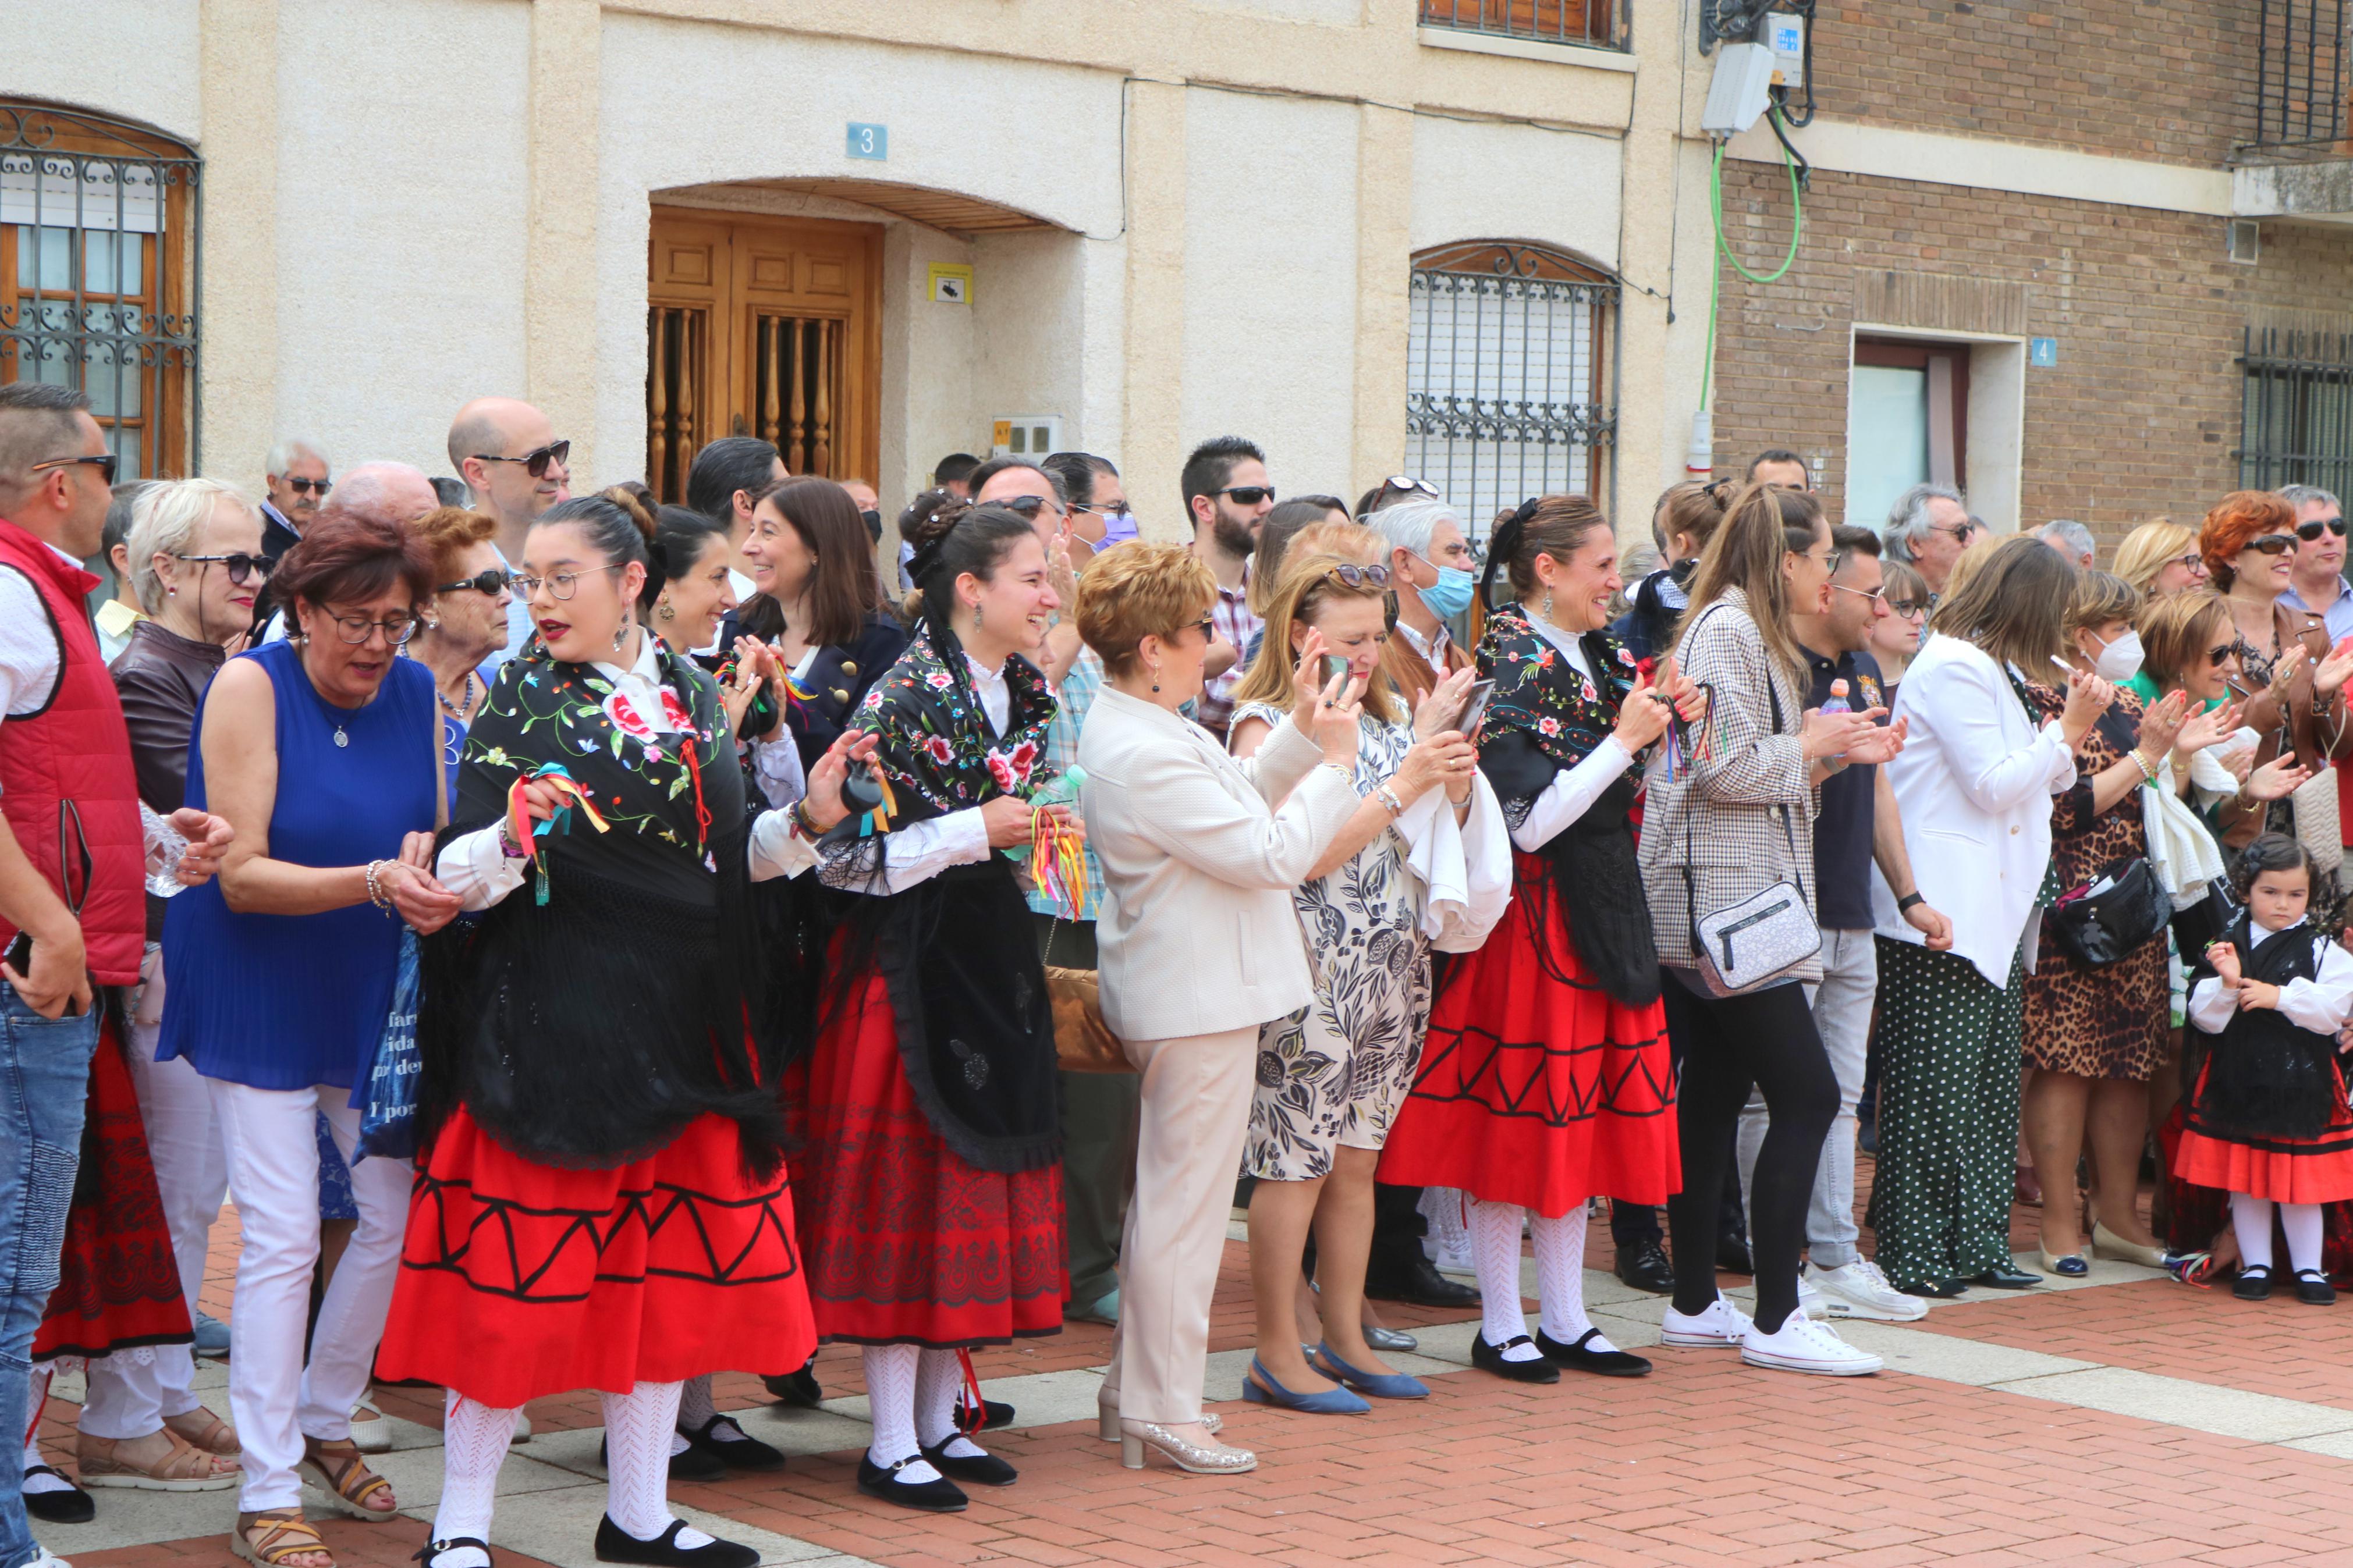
(1058, 861)
(525, 831)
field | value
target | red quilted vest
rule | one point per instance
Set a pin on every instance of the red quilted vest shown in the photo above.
(66, 783)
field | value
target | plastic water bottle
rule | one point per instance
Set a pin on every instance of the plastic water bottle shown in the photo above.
(1836, 701)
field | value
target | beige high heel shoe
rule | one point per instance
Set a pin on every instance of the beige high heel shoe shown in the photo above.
(1215, 1459)
(1107, 1420)
(2106, 1242)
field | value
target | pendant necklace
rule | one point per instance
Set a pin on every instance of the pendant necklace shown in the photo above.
(457, 709)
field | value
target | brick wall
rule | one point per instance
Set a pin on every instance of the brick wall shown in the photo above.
(2170, 82)
(2141, 414)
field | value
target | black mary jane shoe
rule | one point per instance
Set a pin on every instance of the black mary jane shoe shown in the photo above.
(1420, 1282)
(2253, 1283)
(693, 1463)
(798, 1390)
(432, 1552)
(942, 1495)
(614, 1544)
(995, 1413)
(71, 1506)
(1602, 1364)
(1644, 1267)
(740, 1452)
(2002, 1277)
(2313, 1289)
(982, 1470)
(1490, 1358)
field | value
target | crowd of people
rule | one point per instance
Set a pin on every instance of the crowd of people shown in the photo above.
(600, 943)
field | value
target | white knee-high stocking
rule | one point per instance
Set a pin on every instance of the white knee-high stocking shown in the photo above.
(1560, 1279)
(2302, 1224)
(638, 1427)
(1496, 1255)
(474, 1444)
(37, 1399)
(939, 1377)
(2251, 1218)
(891, 1373)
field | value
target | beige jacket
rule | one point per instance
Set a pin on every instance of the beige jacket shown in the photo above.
(1199, 855)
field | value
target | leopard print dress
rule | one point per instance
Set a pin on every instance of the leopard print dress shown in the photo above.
(2108, 1021)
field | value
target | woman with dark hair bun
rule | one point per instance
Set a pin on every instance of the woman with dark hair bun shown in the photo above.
(817, 629)
(930, 1195)
(325, 752)
(591, 1091)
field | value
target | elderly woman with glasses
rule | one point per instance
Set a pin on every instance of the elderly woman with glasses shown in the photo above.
(467, 622)
(325, 752)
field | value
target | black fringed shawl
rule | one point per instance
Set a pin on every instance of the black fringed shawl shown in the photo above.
(957, 950)
(592, 1014)
(1543, 719)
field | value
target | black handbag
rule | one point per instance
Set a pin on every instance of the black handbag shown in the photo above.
(2102, 928)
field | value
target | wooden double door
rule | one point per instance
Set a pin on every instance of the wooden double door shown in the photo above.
(767, 327)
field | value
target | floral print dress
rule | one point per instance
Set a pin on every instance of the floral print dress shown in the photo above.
(1335, 1071)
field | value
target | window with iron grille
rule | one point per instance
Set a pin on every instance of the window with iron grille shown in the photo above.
(1588, 22)
(98, 276)
(1505, 376)
(2297, 407)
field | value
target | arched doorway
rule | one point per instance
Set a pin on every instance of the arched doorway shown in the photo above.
(1509, 381)
(98, 276)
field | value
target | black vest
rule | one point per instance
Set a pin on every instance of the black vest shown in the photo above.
(2267, 1076)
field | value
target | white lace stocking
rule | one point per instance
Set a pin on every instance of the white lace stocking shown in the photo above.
(2251, 1217)
(891, 1378)
(1560, 1278)
(939, 1378)
(37, 1399)
(638, 1428)
(1496, 1255)
(474, 1444)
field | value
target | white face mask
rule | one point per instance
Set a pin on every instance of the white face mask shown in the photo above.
(2121, 660)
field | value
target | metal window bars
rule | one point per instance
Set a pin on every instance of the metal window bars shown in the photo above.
(1504, 372)
(2300, 81)
(1588, 22)
(2297, 408)
(99, 276)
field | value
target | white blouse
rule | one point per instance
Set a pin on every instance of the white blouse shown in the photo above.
(1574, 790)
(2319, 1004)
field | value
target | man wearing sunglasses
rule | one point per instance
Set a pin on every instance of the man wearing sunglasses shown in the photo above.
(1227, 496)
(2315, 583)
(295, 483)
(510, 458)
(1927, 528)
(72, 863)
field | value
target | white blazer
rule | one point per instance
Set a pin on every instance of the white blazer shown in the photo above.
(1195, 933)
(1974, 784)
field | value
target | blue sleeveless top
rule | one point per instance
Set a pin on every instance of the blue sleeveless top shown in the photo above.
(289, 1001)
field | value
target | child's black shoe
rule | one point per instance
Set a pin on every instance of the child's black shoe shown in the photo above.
(2313, 1289)
(2255, 1283)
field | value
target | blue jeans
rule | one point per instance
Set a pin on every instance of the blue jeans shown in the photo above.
(44, 1081)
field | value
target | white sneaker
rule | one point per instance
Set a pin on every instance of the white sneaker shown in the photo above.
(1810, 1303)
(1722, 1326)
(1861, 1290)
(522, 1427)
(47, 1558)
(1803, 1345)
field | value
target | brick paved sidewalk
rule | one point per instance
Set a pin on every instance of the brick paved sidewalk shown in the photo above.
(2126, 1420)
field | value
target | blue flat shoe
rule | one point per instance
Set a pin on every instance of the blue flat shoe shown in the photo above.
(1260, 1388)
(1379, 1384)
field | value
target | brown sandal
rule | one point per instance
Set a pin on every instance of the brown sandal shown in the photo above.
(268, 1538)
(204, 1430)
(183, 1469)
(342, 1471)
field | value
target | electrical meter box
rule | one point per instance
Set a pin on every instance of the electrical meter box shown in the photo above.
(1737, 93)
(1784, 33)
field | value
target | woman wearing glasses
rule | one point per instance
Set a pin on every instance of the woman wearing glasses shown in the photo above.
(324, 752)
(1332, 1076)
(2160, 559)
(1895, 637)
(467, 622)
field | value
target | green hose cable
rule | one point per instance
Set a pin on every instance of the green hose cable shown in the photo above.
(1724, 247)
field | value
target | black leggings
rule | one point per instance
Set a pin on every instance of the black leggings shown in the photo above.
(1767, 1039)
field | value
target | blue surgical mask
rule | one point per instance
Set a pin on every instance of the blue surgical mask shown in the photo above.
(1119, 526)
(1451, 595)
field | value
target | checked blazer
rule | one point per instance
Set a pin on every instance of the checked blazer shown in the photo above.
(1724, 812)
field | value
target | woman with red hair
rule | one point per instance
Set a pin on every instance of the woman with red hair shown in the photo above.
(2295, 681)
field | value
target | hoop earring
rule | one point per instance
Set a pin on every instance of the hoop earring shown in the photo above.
(666, 610)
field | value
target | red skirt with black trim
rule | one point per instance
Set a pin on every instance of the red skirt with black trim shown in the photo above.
(518, 1279)
(906, 1242)
(1536, 1087)
(2317, 1170)
(118, 1279)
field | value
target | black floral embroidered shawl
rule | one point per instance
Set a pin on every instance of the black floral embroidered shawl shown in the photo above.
(957, 950)
(1544, 718)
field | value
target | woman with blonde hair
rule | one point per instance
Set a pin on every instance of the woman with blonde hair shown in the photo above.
(2160, 558)
(1200, 852)
(1329, 1076)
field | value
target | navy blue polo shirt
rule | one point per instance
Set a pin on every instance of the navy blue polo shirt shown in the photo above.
(1842, 831)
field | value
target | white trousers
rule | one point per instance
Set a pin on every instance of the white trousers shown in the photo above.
(273, 1174)
(130, 1399)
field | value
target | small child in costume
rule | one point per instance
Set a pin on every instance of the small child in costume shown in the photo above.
(2268, 1122)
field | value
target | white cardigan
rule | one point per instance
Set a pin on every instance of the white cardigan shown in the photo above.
(1196, 935)
(1974, 784)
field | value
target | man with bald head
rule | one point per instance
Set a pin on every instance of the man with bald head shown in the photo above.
(392, 493)
(513, 461)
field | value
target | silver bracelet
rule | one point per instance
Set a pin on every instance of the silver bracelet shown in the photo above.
(1387, 797)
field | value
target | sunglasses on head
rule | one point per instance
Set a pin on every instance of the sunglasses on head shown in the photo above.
(2310, 530)
(1247, 495)
(1360, 576)
(1408, 482)
(537, 461)
(308, 486)
(242, 567)
(2273, 543)
(491, 582)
